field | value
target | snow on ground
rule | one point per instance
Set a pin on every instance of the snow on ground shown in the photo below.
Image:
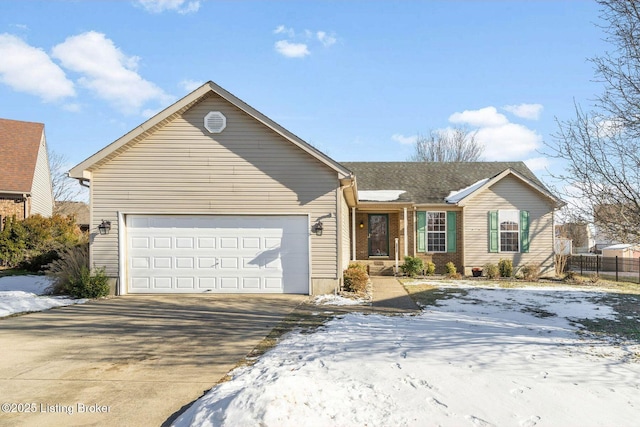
(331, 299)
(503, 357)
(25, 293)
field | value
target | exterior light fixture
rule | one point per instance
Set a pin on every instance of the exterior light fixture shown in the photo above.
(317, 228)
(361, 224)
(104, 227)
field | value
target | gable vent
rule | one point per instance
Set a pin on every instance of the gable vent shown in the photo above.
(215, 122)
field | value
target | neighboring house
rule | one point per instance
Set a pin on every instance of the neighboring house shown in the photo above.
(579, 234)
(78, 210)
(470, 214)
(25, 179)
(621, 250)
(210, 195)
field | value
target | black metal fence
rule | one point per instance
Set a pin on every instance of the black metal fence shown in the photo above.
(627, 269)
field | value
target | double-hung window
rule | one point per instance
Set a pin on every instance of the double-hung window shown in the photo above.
(509, 231)
(436, 231)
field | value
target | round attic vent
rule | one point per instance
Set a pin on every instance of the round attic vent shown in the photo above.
(215, 122)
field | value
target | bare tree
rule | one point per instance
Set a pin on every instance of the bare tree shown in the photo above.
(447, 145)
(602, 147)
(65, 189)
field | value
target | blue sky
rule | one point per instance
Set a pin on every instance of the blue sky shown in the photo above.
(357, 79)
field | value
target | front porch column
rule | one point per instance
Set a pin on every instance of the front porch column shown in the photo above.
(406, 234)
(353, 234)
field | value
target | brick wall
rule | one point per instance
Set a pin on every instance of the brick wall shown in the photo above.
(11, 207)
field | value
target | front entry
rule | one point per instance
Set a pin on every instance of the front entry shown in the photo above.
(378, 235)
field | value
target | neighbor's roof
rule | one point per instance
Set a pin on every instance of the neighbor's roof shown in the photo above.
(79, 210)
(432, 182)
(179, 107)
(19, 145)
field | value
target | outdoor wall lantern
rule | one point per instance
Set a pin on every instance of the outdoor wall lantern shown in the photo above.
(361, 224)
(317, 228)
(104, 227)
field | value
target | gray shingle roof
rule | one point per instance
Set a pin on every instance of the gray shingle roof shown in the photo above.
(429, 182)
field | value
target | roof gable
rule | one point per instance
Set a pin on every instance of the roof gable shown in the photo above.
(434, 182)
(19, 146)
(83, 170)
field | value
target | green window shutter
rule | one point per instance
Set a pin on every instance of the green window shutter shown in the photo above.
(524, 231)
(422, 225)
(451, 232)
(493, 231)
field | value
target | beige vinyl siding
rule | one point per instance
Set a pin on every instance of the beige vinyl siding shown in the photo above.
(345, 238)
(509, 193)
(41, 191)
(246, 169)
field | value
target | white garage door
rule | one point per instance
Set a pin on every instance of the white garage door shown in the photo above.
(232, 254)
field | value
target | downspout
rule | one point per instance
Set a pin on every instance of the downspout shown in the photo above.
(25, 210)
(353, 233)
(406, 233)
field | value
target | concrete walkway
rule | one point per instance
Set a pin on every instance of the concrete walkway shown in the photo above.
(389, 296)
(127, 361)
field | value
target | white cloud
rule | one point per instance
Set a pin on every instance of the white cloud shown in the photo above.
(181, 6)
(297, 44)
(405, 140)
(537, 164)
(507, 142)
(28, 69)
(108, 72)
(325, 39)
(487, 116)
(281, 29)
(292, 50)
(190, 85)
(525, 111)
(502, 140)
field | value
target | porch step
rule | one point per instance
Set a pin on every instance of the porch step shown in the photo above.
(381, 269)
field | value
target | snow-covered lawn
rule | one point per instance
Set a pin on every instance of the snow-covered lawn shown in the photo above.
(502, 357)
(25, 293)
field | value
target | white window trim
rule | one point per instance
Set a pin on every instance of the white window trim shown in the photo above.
(426, 236)
(500, 231)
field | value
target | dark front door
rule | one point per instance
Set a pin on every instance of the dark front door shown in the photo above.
(378, 235)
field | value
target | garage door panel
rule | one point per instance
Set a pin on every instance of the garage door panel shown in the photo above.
(217, 254)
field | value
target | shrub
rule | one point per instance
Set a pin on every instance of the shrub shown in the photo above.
(412, 266)
(362, 267)
(72, 275)
(450, 268)
(531, 272)
(88, 285)
(491, 271)
(430, 268)
(572, 277)
(35, 242)
(356, 278)
(594, 278)
(506, 267)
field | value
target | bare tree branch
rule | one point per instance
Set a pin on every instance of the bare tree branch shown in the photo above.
(449, 145)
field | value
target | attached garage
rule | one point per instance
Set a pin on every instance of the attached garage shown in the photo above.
(212, 196)
(217, 254)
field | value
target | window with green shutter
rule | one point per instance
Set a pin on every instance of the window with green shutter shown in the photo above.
(451, 232)
(422, 225)
(493, 231)
(509, 231)
(524, 231)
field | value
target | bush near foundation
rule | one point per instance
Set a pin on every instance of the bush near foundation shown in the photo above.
(356, 278)
(506, 267)
(412, 266)
(491, 271)
(72, 275)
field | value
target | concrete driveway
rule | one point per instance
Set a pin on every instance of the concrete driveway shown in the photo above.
(126, 361)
